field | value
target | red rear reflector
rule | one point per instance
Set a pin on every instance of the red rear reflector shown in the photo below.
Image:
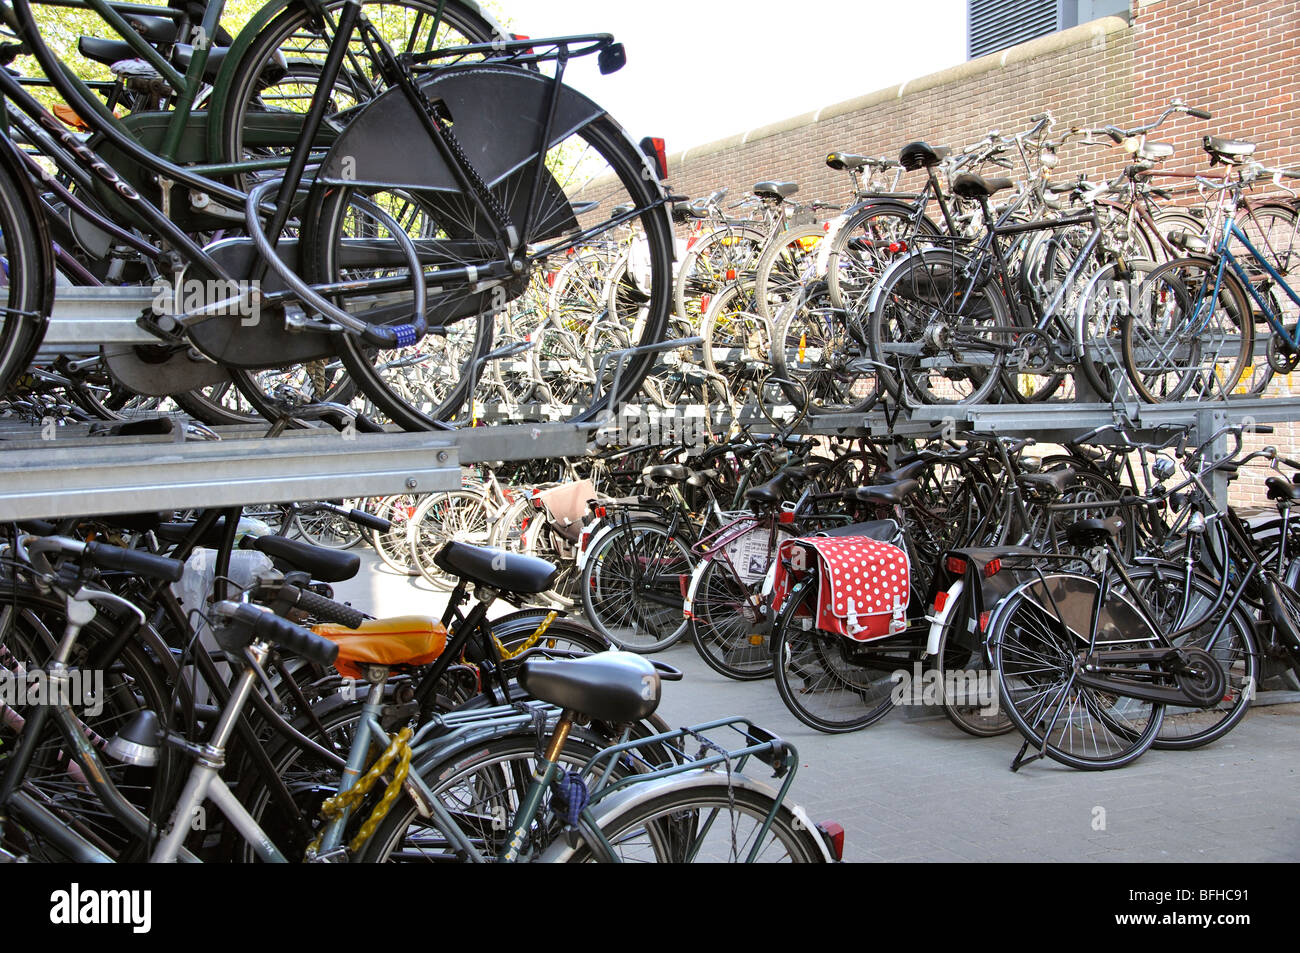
(956, 565)
(984, 621)
(653, 147)
(704, 303)
(785, 516)
(550, 279)
(731, 274)
(993, 568)
(940, 600)
(520, 36)
(835, 834)
(600, 511)
(684, 584)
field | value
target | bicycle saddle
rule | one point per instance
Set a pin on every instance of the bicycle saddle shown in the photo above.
(776, 191)
(882, 531)
(1227, 151)
(1280, 488)
(325, 565)
(670, 472)
(1093, 532)
(1053, 481)
(157, 30)
(1156, 150)
(398, 640)
(888, 493)
(970, 185)
(840, 161)
(610, 686)
(921, 155)
(496, 568)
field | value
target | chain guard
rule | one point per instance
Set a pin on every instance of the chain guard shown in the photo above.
(1282, 357)
(1199, 676)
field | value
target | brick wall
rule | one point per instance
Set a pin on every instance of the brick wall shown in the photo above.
(1238, 58)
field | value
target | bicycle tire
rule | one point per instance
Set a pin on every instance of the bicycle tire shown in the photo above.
(731, 249)
(1034, 650)
(815, 678)
(461, 515)
(435, 400)
(676, 826)
(645, 621)
(816, 346)
(719, 630)
(914, 307)
(1160, 587)
(1166, 363)
(962, 651)
(477, 783)
(864, 247)
(786, 263)
(27, 279)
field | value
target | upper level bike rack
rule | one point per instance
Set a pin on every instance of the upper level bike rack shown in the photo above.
(76, 474)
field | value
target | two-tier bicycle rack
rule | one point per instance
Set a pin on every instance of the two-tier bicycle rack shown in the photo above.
(54, 472)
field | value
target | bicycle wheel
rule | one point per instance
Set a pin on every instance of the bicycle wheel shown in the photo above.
(865, 246)
(26, 270)
(708, 824)
(482, 789)
(827, 681)
(394, 546)
(728, 253)
(820, 349)
(722, 625)
(1104, 304)
(1161, 589)
(593, 176)
(28, 640)
(1038, 635)
(633, 584)
(969, 682)
(323, 528)
(787, 262)
(461, 515)
(265, 95)
(1188, 339)
(941, 341)
(735, 336)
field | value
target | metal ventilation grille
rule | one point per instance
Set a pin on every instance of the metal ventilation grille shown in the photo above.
(996, 24)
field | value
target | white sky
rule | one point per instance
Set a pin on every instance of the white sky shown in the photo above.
(699, 70)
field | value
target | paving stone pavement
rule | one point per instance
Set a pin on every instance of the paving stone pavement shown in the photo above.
(917, 789)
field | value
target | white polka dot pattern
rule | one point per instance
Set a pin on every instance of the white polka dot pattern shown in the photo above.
(864, 583)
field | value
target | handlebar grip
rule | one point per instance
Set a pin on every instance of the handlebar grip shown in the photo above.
(327, 610)
(282, 632)
(1263, 428)
(370, 520)
(132, 560)
(1199, 113)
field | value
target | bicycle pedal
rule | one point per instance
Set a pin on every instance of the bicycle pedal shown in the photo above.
(336, 855)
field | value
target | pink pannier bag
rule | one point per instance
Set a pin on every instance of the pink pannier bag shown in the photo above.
(863, 584)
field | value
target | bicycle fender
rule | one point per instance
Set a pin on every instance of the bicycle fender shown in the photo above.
(608, 809)
(940, 619)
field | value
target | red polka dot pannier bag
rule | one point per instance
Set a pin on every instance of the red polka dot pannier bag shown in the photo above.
(863, 584)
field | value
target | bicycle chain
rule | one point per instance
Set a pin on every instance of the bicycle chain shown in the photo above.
(481, 189)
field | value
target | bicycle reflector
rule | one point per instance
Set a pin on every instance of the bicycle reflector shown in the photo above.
(993, 568)
(785, 516)
(834, 837)
(599, 511)
(731, 274)
(955, 565)
(653, 147)
(984, 621)
(940, 600)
